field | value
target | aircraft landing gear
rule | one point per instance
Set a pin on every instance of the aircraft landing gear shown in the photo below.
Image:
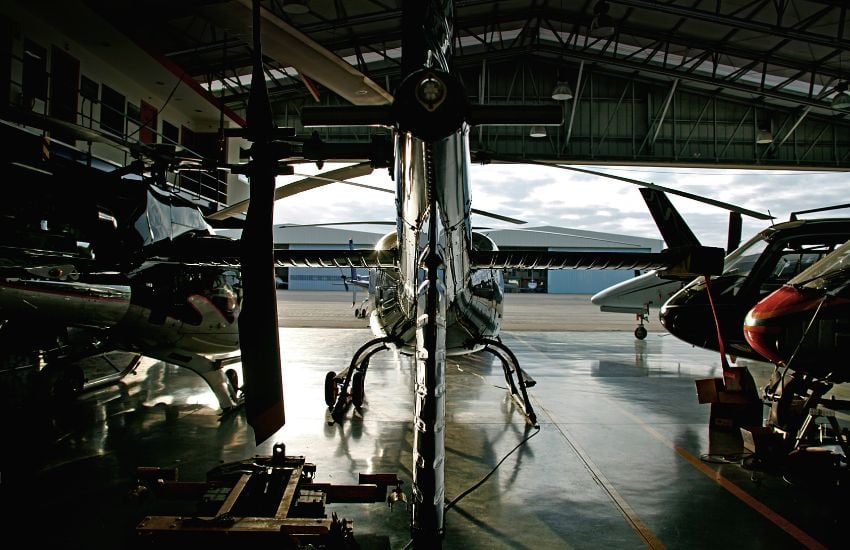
(362, 310)
(803, 427)
(510, 365)
(640, 331)
(349, 386)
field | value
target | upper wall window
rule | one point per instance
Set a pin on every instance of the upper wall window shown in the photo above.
(35, 71)
(170, 133)
(112, 107)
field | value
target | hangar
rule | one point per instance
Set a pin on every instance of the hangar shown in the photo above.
(124, 127)
(573, 281)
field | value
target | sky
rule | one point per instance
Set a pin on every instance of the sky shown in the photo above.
(544, 195)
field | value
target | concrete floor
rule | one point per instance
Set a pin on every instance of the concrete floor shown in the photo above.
(615, 464)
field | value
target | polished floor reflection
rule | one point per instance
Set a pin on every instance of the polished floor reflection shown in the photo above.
(615, 463)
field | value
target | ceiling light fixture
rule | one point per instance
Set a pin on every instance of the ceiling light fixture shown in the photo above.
(296, 7)
(562, 91)
(537, 132)
(764, 136)
(841, 100)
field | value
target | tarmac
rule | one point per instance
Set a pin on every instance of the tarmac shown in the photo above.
(522, 312)
(621, 455)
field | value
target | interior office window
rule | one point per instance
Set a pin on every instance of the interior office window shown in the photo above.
(64, 85)
(133, 114)
(90, 92)
(34, 78)
(112, 107)
(170, 133)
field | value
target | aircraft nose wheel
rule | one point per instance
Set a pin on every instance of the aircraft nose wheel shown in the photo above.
(358, 388)
(331, 388)
(640, 331)
(348, 386)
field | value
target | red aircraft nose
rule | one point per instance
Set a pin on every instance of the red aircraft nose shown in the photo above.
(766, 323)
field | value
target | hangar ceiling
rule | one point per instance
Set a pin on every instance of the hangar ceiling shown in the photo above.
(674, 82)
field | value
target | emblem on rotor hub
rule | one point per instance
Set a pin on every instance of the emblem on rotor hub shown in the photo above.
(431, 92)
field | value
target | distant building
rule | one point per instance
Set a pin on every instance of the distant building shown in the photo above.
(562, 239)
(569, 281)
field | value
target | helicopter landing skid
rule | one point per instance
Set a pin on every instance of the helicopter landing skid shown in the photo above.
(510, 365)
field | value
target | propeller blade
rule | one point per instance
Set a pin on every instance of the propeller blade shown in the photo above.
(293, 48)
(258, 333)
(308, 183)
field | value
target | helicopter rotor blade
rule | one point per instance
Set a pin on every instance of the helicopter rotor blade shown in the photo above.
(484, 157)
(257, 321)
(383, 190)
(670, 190)
(291, 47)
(288, 190)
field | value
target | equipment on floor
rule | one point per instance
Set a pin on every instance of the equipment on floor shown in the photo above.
(261, 499)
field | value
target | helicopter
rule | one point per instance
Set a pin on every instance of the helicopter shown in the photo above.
(86, 272)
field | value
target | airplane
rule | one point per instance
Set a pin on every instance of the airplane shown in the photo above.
(86, 272)
(636, 296)
(438, 283)
(649, 289)
(356, 281)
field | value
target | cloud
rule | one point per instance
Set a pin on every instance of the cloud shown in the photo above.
(552, 196)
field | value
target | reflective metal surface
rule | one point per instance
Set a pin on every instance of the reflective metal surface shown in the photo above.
(614, 465)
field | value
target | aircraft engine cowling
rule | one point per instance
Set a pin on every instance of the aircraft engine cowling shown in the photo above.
(474, 312)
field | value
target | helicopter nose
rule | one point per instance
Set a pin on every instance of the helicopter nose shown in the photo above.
(674, 313)
(687, 317)
(768, 321)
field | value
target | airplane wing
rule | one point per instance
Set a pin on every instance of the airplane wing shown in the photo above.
(687, 260)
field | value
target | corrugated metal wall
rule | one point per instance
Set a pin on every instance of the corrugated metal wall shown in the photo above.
(320, 278)
(586, 281)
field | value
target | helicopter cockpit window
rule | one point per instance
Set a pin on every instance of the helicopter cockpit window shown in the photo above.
(793, 260)
(740, 262)
(828, 274)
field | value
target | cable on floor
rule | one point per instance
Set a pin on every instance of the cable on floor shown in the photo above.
(457, 499)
